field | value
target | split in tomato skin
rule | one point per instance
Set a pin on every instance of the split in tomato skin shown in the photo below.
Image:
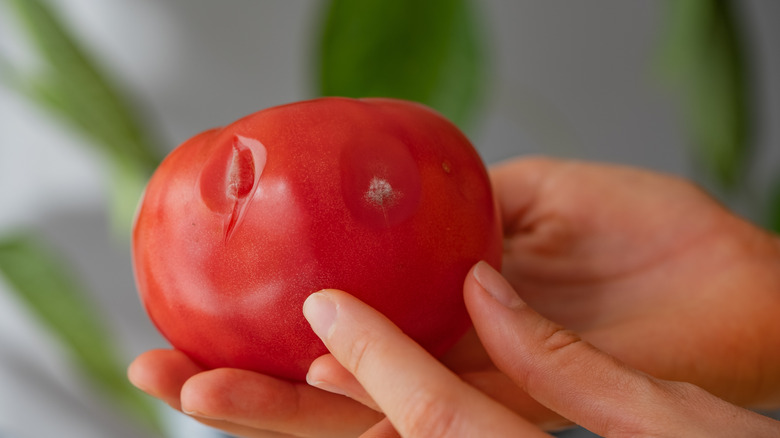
(382, 198)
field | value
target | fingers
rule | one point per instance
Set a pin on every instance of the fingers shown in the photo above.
(383, 429)
(245, 403)
(161, 374)
(419, 395)
(327, 374)
(516, 184)
(585, 385)
(502, 389)
(262, 402)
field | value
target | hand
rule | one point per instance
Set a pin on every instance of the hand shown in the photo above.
(644, 266)
(649, 269)
(248, 404)
(423, 398)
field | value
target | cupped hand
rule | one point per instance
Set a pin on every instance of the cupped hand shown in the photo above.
(245, 403)
(648, 268)
(423, 398)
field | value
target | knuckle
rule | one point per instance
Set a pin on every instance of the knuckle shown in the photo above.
(557, 339)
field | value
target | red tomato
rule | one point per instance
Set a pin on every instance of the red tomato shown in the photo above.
(382, 198)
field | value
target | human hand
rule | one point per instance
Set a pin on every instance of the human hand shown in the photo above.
(649, 269)
(245, 403)
(383, 368)
(644, 266)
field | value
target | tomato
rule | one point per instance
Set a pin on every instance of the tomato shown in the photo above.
(382, 198)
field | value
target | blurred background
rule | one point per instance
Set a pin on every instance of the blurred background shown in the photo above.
(94, 92)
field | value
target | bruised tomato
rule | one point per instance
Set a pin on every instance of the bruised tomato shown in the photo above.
(382, 198)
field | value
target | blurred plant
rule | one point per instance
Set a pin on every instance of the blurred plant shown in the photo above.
(430, 51)
(43, 282)
(72, 87)
(705, 59)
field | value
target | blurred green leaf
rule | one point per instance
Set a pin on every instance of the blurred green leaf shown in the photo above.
(71, 85)
(40, 280)
(704, 58)
(427, 51)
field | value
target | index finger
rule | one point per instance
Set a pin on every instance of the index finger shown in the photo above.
(419, 395)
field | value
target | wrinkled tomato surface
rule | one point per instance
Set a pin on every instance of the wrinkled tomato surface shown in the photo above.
(382, 198)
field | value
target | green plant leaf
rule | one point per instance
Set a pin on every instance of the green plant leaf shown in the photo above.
(704, 58)
(72, 86)
(426, 51)
(47, 286)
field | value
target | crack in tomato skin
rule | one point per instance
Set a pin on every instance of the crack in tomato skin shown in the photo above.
(239, 184)
(241, 176)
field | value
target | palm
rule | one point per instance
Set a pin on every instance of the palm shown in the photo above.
(641, 265)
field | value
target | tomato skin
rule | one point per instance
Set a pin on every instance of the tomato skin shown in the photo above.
(382, 198)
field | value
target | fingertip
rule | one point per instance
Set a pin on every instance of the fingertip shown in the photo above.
(322, 368)
(327, 374)
(138, 372)
(496, 286)
(320, 311)
(161, 373)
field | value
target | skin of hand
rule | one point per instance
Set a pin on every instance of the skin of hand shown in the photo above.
(649, 269)
(423, 398)
(643, 266)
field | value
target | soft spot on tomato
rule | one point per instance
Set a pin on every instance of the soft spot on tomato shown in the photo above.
(380, 181)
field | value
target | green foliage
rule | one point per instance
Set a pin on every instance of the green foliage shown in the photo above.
(426, 51)
(704, 58)
(72, 87)
(44, 283)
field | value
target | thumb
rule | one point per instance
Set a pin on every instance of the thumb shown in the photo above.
(578, 381)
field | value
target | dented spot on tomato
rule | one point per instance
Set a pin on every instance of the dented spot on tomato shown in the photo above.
(380, 181)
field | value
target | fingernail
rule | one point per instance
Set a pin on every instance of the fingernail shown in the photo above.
(320, 311)
(325, 386)
(495, 285)
(192, 413)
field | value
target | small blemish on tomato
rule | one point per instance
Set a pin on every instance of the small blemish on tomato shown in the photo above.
(380, 193)
(446, 166)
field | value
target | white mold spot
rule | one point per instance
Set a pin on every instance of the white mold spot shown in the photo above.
(380, 193)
